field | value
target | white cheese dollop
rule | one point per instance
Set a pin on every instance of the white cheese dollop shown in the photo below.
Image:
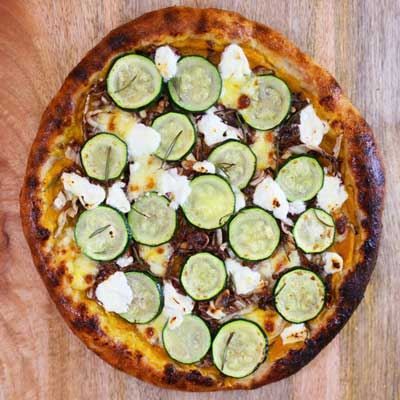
(142, 141)
(270, 196)
(175, 186)
(124, 261)
(60, 201)
(114, 293)
(244, 279)
(312, 129)
(204, 167)
(333, 262)
(166, 61)
(214, 129)
(214, 312)
(117, 198)
(89, 194)
(240, 200)
(297, 207)
(332, 195)
(176, 305)
(294, 333)
(234, 63)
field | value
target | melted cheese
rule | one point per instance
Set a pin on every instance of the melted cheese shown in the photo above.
(264, 149)
(312, 129)
(333, 262)
(83, 270)
(244, 279)
(294, 333)
(157, 257)
(118, 122)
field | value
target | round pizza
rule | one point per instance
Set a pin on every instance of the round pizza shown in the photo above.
(202, 202)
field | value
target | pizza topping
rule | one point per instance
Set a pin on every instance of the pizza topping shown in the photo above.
(114, 293)
(240, 200)
(157, 257)
(234, 63)
(214, 312)
(279, 261)
(253, 234)
(270, 196)
(244, 279)
(204, 167)
(117, 198)
(176, 305)
(239, 347)
(314, 231)
(60, 201)
(176, 187)
(89, 194)
(264, 149)
(312, 129)
(294, 333)
(235, 161)
(124, 261)
(142, 141)
(166, 61)
(214, 129)
(299, 295)
(332, 195)
(297, 207)
(333, 262)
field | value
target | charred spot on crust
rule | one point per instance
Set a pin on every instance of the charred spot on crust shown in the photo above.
(170, 17)
(196, 377)
(117, 41)
(56, 275)
(32, 182)
(80, 73)
(172, 376)
(328, 102)
(42, 233)
(85, 322)
(202, 24)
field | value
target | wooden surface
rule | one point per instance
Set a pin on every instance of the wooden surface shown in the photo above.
(40, 42)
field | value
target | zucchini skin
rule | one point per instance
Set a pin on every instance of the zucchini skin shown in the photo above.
(303, 269)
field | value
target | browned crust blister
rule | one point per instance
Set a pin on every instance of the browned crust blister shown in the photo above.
(365, 173)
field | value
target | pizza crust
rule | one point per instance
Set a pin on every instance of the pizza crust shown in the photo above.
(209, 30)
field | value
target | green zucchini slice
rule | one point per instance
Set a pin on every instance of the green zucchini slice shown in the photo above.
(152, 220)
(210, 203)
(133, 81)
(270, 102)
(147, 299)
(177, 133)
(301, 178)
(239, 347)
(299, 295)
(236, 160)
(314, 231)
(203, 276)
(189, 342)
(102, 233)
(104, 156)
(197, 84)
(253, 234)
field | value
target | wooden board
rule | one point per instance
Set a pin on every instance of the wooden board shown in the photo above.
(40, 42)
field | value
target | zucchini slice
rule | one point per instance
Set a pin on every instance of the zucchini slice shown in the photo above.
(253, 234)
(197, 84)
(270, 102)
(177, 136)
(104, 156)
(236, 160)
(314, 231)
(301, 178)
(133, 81)
(189, 342)
(299, 295)
(239, 347)
(102, 233)
(147, 300)
(152, 220)
(203, 276)
(210, 203)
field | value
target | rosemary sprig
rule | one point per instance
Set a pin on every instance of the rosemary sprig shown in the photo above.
(126, 86)
(225, 167)
(99, 230)
(228, 342)
(136, 255)
(140, 213)
(280, 290)
(171, 147)
(241, 127)
(107, 167)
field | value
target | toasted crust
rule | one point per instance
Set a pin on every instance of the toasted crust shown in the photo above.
(362, 170)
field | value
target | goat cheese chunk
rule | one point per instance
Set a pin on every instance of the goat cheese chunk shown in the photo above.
(176, 187)
(294, 333)
(114, 293)
(89, 194)
(117, 198)
(333, 262)
(214, 129)
(124, 261)
(245, 279)
(271, 197)
(142, 141)
(312, 129)
(204, 167)
(166, 62)
(234, 63)
(332, 195)
(176, 305)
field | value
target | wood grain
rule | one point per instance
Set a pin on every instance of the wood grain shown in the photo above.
(40, 42)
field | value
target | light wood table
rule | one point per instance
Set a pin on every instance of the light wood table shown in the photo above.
(40, 42)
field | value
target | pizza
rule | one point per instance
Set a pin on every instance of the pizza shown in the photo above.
(202, 202)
